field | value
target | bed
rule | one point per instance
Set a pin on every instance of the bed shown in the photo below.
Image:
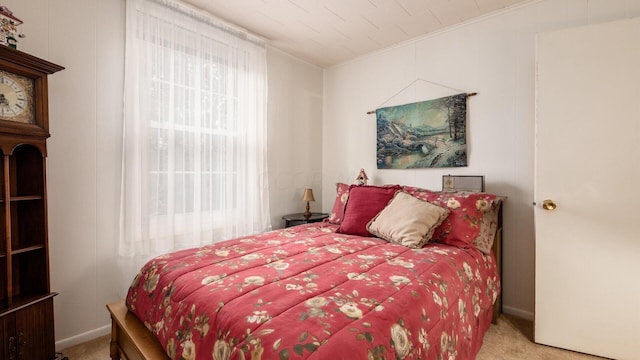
(329, 290)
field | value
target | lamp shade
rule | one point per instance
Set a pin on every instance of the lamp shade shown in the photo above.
(308, 195)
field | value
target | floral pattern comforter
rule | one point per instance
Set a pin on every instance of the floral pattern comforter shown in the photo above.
(307, 292)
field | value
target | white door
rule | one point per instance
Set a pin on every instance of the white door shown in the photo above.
(587, 295)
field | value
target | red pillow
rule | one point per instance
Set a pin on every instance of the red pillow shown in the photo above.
(342, 194)
(363, 204)
(466, 217)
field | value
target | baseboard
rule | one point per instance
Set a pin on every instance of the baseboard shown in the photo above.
(527, 315)
(84, 337)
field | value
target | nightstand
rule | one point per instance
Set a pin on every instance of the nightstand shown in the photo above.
(297, 219)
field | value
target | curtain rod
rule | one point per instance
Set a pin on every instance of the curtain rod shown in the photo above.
(468, 94)
(206, 18)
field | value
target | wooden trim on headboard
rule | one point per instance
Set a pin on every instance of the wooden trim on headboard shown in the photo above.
(496, 248)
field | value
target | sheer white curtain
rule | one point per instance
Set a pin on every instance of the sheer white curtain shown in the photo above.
(194, 154)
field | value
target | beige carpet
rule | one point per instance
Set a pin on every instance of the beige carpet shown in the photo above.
(510, 339)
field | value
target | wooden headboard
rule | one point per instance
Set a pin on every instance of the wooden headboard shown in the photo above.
(496, 248)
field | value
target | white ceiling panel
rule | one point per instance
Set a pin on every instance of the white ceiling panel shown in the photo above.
(389, 35)
(348, 10)
(327, 32)
(453, 12)
(420, 25)
(385, 13)
(493, 5)
(414, 6)
(356, 26)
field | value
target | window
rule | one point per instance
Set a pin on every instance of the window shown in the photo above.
(194, 157)
(193, 130)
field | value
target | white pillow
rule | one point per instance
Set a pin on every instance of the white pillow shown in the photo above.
(407, 221)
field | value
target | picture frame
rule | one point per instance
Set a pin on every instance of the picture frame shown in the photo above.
(452, 183)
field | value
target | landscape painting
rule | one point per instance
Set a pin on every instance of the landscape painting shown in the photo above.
(427, 134)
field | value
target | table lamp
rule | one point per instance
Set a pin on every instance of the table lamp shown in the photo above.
(307, 196)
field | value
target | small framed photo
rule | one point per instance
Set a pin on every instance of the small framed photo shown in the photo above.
(452, 183)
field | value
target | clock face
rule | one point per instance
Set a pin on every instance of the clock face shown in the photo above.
(16, 98)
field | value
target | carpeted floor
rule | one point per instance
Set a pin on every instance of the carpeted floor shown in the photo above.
(510, 339)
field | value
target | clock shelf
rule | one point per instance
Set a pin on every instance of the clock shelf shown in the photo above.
(26, 249)
(27, 279)
(26, 171)
(26, 300)
(20, 302)
(25, 198)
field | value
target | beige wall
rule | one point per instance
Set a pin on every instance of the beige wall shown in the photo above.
(494, 56)
(83, 168)
(295, 135)
(87, 37)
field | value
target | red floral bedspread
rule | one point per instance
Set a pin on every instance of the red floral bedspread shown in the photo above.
(308, 292)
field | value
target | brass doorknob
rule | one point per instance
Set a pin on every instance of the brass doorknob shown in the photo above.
(549, 205)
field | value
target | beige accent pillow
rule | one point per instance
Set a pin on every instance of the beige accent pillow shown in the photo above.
(407, 221)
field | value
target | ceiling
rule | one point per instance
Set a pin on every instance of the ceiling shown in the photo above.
(327, 32)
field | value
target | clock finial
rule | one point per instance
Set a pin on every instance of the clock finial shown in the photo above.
(9, 28)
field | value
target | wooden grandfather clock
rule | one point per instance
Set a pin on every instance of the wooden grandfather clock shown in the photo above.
(26, 300)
